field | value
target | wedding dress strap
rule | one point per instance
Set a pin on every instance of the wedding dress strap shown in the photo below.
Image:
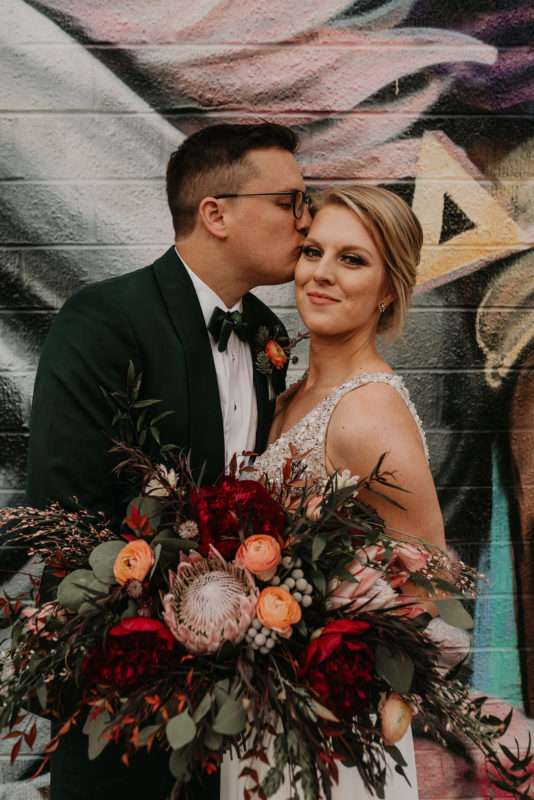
(362, 379)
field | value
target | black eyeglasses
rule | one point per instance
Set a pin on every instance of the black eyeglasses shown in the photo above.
(300, 199)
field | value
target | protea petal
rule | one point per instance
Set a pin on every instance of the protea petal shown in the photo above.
(209, 601)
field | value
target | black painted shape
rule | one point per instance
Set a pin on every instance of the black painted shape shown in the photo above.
(454, 221)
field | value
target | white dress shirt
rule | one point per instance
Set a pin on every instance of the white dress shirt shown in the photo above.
(235, 377)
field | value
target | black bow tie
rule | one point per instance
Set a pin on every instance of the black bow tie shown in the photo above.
(222, 323)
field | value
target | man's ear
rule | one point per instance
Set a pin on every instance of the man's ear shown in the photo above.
(211, 216)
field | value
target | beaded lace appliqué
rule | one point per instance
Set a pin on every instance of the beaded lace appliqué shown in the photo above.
(309, 433)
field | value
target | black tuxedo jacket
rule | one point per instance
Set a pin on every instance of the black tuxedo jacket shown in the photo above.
(152, 317)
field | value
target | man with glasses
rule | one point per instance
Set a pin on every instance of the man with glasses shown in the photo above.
(188, 322)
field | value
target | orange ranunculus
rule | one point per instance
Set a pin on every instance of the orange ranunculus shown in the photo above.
(396, 717)
(278, 610)
(133, 562)
(276, 354)
(260, 554)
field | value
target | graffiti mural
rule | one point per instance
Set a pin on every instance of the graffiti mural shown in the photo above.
(432, 99)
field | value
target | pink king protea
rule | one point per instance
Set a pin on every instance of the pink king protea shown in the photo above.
(209, 601)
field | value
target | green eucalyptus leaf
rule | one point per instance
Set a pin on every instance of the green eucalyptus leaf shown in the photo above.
(222, 691)
(180, 730)
(203, 707)
(94, 728)
(78, 587)
(145, 734)
(212, 740)
(180, 764)
(396, 668)
(453, 612)
(102, 559)
(231, 718)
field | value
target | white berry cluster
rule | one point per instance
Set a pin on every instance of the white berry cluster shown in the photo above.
(260, 637)
(294, 581)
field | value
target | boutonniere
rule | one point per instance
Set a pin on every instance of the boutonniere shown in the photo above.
(273, 351)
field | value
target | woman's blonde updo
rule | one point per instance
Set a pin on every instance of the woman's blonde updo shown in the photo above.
(397, 234)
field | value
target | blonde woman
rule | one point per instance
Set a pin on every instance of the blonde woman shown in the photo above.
(353, 281)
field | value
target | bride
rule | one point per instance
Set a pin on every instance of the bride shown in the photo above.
(353, 280)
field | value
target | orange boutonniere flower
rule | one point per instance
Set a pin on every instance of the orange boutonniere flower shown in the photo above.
(272, 352)
(277, 354)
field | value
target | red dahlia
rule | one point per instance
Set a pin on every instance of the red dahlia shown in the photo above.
(223, 509)
(338, 665)
(136, 648)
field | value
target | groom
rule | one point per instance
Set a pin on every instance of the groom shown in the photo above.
(240, 215)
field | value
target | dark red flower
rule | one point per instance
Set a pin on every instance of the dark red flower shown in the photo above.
(223, 509)
(136, 648)
(338, 665)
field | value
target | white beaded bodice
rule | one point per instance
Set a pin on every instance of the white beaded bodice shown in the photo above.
(309, 434)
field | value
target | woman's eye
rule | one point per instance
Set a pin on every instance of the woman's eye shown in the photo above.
(353, 260)
(311, 252)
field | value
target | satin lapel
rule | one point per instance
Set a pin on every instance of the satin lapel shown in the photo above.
(206, 432)
(265, 407)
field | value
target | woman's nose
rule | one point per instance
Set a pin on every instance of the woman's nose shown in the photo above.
(323, 271)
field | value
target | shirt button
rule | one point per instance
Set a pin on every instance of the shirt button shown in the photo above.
(235, 406)
(233, 357)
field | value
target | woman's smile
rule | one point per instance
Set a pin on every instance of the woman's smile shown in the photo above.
(320, 299)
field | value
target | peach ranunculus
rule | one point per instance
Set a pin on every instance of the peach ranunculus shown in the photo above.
(260, 554)
(133, 562)
(396, 717)
(412, 558)
(278, 610)
(276, 354)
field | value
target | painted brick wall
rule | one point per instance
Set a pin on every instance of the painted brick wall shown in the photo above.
(431, 98)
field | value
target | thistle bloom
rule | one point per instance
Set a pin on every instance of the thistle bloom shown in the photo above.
(158, 485)
(209, 601)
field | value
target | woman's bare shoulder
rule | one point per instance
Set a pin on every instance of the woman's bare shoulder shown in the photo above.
(371, 420)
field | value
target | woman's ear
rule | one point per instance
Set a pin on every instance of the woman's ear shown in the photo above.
(211, 215)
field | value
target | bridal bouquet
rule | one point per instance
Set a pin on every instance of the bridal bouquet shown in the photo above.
(273, 622)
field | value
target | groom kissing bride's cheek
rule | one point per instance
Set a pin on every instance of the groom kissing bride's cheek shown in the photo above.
(188, 322)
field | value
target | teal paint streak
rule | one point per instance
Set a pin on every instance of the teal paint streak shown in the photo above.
(496, 659)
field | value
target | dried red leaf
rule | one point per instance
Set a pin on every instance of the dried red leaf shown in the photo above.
(15, 751)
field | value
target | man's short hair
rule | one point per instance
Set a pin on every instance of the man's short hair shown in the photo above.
(213, 161)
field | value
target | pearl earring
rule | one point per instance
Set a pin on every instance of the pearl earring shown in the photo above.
(382, 307)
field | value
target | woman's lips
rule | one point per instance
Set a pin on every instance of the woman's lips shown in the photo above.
(319, 299)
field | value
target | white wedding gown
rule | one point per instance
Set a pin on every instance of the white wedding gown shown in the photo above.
(310, 434)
